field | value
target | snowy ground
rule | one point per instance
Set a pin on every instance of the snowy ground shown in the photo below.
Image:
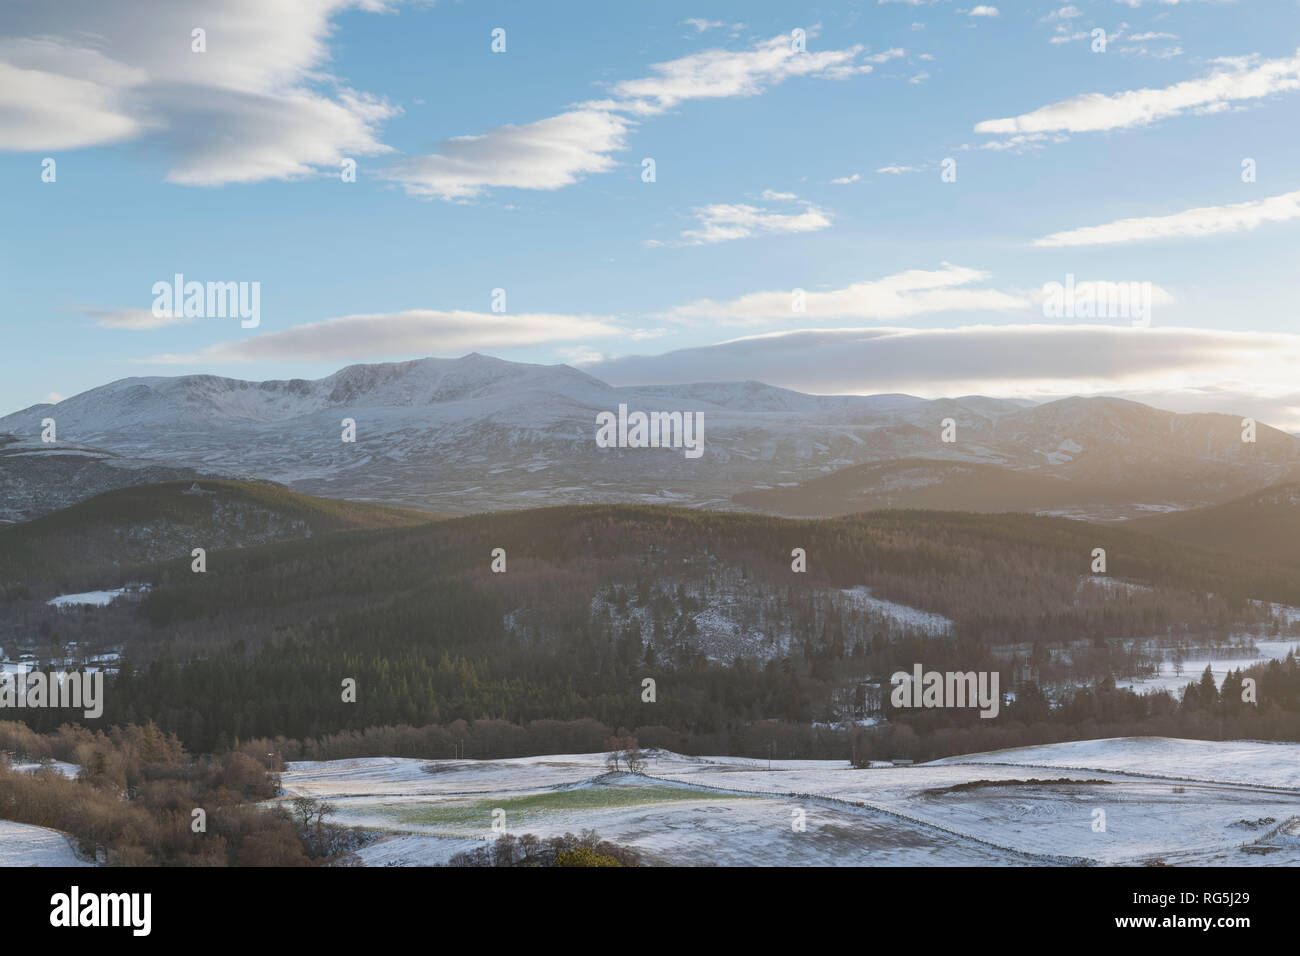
(1249, 762)
(24, 845)
(69, 770)
(728, 627)
(903, 614)
(89, 598)
(1168, 680)
(1122, 801)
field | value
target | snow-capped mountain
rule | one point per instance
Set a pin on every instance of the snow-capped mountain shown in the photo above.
(479, 433)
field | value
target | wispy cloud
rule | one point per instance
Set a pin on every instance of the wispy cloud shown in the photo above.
(1142, 49)
(547, 154)
(887, 55)
(722, 222)
(131, 319)
(560, 150)
(719, 73)
(416, 332)
(1065, 36)
(1234, 79)
(1202, 221)
(914, 292)
(701, 25)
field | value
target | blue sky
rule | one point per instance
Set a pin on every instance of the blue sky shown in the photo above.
(1114, 165)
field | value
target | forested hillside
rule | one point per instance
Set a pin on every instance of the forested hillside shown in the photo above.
(594, 600)
(146, 524)
(1264, 525)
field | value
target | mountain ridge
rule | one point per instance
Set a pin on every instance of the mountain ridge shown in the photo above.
(481, 433)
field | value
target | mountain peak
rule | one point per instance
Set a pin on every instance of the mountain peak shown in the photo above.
(477, 432)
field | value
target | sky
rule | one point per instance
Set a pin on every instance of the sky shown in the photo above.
(837, 198)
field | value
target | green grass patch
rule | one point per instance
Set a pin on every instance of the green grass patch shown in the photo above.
(479, 812)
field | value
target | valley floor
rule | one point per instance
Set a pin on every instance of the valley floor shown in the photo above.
(1123, 801)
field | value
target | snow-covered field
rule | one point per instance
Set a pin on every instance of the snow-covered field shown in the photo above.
(1250, 762)
(88, 598)
(25, 845)
(1173, 682)
(1121, 801)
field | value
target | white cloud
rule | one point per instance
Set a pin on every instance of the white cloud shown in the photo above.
(712, 74)
(701, 25)
(896, 170)
(1191, 223)
(983, 11)
(905, 294)
(1040, 360)
(560, 150)
(413, 332)
(722, 222)
(581, 355)
(57, 96)
(1165, 54)
(260, 104)
(1019, 143)
(131, 319)
(845, 180)
(1234, 79)
(547, 154)
(257, 105)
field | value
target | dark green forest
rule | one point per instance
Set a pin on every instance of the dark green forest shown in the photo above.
(595, 600)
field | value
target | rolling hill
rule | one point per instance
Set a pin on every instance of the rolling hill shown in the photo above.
(37, 478)
(1264, 525)
(145, 524)
(914, 483)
